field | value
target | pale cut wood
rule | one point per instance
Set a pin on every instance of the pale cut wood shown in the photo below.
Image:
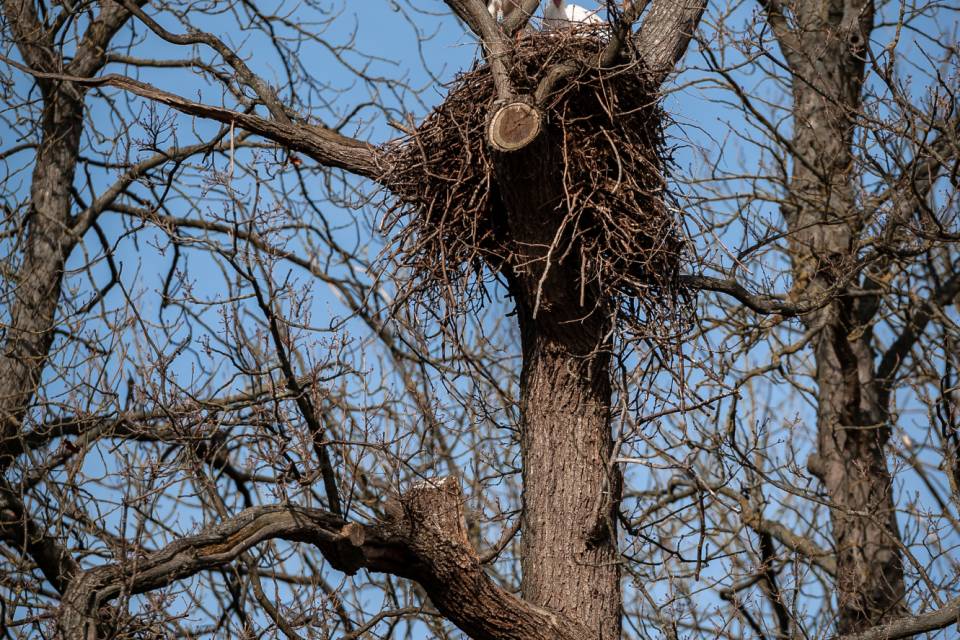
(514, 126)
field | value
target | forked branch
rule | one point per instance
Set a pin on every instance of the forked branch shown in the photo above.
(423, 538)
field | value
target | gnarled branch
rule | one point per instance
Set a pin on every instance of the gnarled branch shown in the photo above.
(666, 32)
(423, 538)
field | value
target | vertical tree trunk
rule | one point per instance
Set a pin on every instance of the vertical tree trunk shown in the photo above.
(569, 555)
(46, 245)
(568, 539)
(49, 237)
(825, 52)
(853, 430)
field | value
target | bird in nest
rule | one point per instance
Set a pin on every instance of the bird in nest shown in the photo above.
(560, 15)
(501, 9)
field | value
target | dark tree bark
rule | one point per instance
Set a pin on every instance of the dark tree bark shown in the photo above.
(51, 232)
(825, 51)
(569, 555)
(48, 239)
(48, 242)
(423, 538)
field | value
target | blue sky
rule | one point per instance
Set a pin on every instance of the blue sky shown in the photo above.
(419, 48)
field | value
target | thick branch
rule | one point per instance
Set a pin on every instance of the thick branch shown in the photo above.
(519, 19)
(263, 90)
(789, 44)
(423, 538)
(33, 42)
(760, 303)
(496, 44)
(915, 326)
(795, 542)
(910, 626)
(820, 557)
(475, 14)
(323, 145)
(666, 32)
(622, 30)
(92, 51)
(21, 533)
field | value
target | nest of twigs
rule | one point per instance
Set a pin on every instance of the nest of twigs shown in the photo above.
(604, 128)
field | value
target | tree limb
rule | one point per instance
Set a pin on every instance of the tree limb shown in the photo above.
(519, 19)
(33, 42)
(914, 328)
(910, 626)
(323, 145)
(666, 32)
(760, 303)
(423, 538)
(793, 541)
(495, 43)
(244, 74)
(21, 533)
(92, 51)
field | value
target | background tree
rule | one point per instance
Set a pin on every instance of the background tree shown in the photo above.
(198, 440)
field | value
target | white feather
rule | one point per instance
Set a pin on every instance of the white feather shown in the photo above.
(501, 9)
(565, 16)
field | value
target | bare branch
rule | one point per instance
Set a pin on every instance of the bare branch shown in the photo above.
(495, 43)
(423, 539)
(760, 303)
(914, 328)
(19, 531)
(911, 626)
(323, 145)
(263, 90)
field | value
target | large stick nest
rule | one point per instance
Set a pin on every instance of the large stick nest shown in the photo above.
(604, 127)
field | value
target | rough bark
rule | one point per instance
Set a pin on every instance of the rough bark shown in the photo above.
(824, 49)
(912, 626)
(569, 553)
(569, 556)
(423, 538)
(49, 236)
(47, 245)
(666, 32)
(47, 241)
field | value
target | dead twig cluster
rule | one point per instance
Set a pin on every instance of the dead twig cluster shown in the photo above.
(604, 128)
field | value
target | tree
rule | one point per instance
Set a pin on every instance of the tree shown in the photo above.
(519, 448)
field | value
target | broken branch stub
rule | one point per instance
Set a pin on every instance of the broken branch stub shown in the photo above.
(513, 126)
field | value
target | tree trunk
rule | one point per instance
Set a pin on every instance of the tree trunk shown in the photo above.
(824, 49)
(853, 429)
(47, 243)
(49, 237)
(569, 555)
(568, 537)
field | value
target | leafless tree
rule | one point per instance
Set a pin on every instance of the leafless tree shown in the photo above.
(329, 415)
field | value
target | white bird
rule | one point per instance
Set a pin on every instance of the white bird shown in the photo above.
(501, 9)
(560, 15)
